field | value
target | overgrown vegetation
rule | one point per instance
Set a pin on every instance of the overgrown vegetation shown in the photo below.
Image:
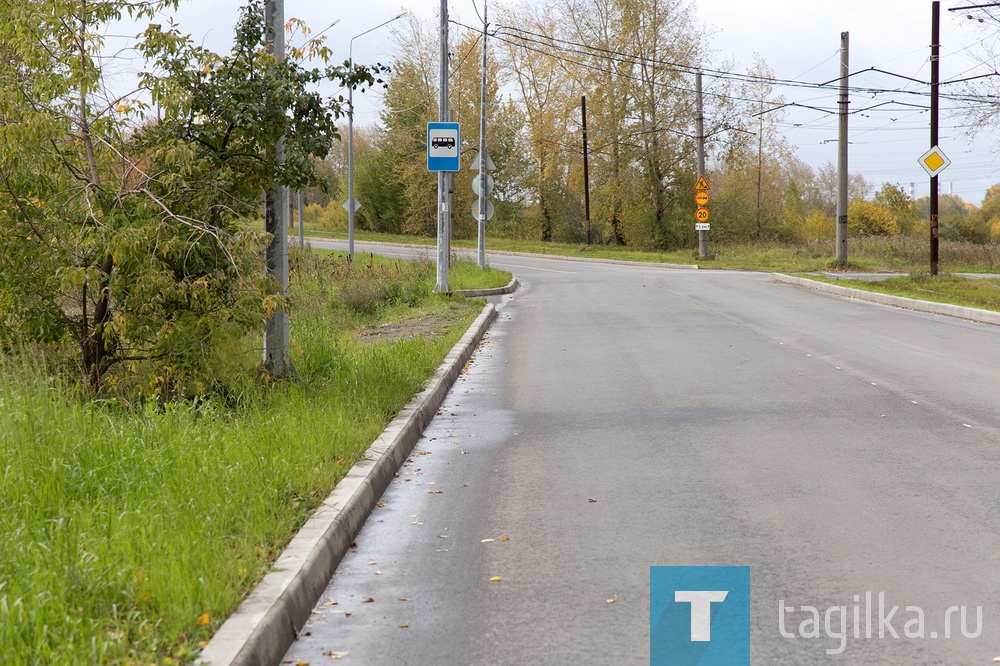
(953, 289)
(121, 245)
(132, 530)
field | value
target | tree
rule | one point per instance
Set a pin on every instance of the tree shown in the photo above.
(755, 189)
(124, 231)
(903, 209)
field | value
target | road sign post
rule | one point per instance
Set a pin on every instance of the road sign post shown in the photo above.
(482, 208)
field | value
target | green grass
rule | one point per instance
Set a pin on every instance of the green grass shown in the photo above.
(957, 290)
(464, 273)
(125, 531)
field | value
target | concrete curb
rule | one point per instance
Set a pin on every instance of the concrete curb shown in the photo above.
(267, 622)
(959, 311)
(497, 291)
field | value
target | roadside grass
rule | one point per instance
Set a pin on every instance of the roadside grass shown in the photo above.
(464, 273)
(903, 254)
(129, 535)
(953, 289)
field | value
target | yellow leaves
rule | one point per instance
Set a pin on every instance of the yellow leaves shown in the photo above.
(496, 579)
(203, 619)
(272, 304)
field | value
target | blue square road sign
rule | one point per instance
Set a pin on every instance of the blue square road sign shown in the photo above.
(444, 147)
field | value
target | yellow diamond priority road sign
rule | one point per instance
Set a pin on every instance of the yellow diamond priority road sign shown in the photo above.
(934, 161)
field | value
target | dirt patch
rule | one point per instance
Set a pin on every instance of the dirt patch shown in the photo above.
(431, 326)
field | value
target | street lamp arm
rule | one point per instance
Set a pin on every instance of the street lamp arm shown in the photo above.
(350, 46)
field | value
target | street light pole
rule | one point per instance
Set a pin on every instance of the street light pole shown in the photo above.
(351, 204)
(276, 358)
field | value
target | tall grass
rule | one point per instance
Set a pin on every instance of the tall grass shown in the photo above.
(127, 536)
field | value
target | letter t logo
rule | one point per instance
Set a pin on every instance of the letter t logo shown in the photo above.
(701, 610)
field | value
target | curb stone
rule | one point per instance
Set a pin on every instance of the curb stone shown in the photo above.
(947, 309)
(510, 288)
(261, 630)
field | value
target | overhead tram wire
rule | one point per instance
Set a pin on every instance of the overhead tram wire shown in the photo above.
(620, 57)
(499, 36)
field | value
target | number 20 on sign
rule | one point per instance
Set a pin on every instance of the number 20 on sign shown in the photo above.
(702, 215)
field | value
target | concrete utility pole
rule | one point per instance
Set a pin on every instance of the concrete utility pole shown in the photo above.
(481, 245)
(443, 245)
(700, 129)
(842, 152)
(935, 82)
(276, 359)
(586, 167)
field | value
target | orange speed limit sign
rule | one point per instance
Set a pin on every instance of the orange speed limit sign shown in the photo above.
(701, 198)
(702, 215)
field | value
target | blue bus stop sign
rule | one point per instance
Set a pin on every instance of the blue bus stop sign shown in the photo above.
(444, 146)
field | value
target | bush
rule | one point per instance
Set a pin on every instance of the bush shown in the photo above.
(866, 218)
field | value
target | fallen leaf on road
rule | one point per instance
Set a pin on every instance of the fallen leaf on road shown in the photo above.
(401, 599)
(435, 492)
(442, 550)
(378, 573)
(404, 626)
(612, 600)
(505, 538)
(591, 499)
(487, 540)
(496, 579)
(368, 600)
(333, 654)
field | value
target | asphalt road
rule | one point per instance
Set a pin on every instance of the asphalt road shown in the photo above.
(621, 417)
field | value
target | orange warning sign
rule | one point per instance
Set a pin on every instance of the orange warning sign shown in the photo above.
(702, 184)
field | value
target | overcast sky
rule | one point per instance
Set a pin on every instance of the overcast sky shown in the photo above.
(798, 40)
